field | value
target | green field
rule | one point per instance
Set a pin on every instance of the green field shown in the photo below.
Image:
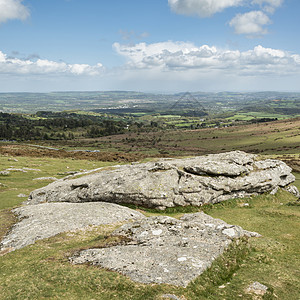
(256, 115)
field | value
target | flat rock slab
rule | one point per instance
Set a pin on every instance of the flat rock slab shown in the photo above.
(48, 219)
(173, 182)
(166, 250)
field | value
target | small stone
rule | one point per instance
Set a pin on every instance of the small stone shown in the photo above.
(222, 286)
(31, 169)
(4, 173)
(45, 178)
(22, 196)
(12, 159)
(252, 234)
(169, 296)
(16, 170)
(256, 288)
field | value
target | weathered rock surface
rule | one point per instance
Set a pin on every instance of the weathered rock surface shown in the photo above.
(173, 182)
(48, 219)
(166, 250)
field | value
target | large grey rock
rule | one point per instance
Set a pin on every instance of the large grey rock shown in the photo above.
(166, 250)
(48, 219)
(173, 182)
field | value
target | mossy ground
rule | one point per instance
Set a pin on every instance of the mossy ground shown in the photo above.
(42, 270)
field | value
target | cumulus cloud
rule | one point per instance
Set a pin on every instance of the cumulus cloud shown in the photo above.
(251, 23)
(202, 8)
(10, 65)
(179, 56)
(207, 8)
(268, 5)
(12, 9)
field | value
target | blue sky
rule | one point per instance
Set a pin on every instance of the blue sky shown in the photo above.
(149, 45)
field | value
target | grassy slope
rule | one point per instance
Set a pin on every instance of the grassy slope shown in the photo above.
(280, 137)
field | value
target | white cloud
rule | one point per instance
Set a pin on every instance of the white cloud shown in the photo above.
(165, 66)
(202, 8)
(274, 3)
(251, 23)
(178, 66)
(44, 66)
(13, 9)
(268, 5)
(182, 57)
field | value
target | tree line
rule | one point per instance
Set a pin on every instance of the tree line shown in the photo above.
(56, 126)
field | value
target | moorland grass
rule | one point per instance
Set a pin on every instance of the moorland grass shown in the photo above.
(280, 137)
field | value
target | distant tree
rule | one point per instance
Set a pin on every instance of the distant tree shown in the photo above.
(46, 136)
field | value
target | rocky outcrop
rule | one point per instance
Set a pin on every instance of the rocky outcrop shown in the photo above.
(173, 182)
(166, 250)
(48, 219)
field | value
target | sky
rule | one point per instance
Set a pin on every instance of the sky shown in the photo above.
(160, 46)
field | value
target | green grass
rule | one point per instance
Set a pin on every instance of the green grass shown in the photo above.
(22, 183)
(275, 257)
(253, 115)
(297, 181)
(42, 270)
